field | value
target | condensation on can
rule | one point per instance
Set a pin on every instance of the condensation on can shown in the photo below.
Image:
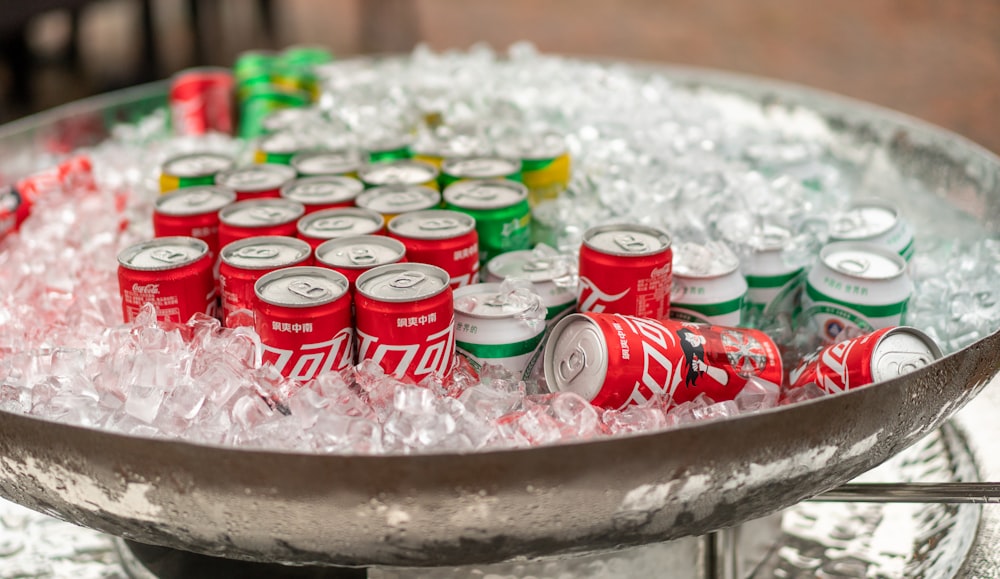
(489, 331)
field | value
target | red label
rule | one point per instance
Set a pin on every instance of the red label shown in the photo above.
(633, 286)
(842, 366)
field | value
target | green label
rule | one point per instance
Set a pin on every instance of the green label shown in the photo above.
(907, 252)
(493, 351)
(717, 309)
(870, 311)
(771, 281)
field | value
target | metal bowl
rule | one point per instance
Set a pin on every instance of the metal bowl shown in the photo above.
(454, 509)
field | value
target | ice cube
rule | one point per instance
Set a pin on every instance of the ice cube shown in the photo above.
(757, 394)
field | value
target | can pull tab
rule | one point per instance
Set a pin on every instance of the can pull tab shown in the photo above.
(900, 363)
(308, 289)
(313, 190)
(537, 265)
(333, 224)
(854, 265)
(246, 177)
(438, 224)
(256, 252)
(404, 198)
(170, 256)
(571, 366)
(198, 199)
(362, 256)
(267, 214)
(630, 243)
(407, 279)
(481, 193)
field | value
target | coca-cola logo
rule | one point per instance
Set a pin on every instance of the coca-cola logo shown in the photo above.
(311, 360)
(433, 356)
(592, 299)
(146, 289)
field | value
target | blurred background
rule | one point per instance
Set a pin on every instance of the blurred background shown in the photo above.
(933, 59)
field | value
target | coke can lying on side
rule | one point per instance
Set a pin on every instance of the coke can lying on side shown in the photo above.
(352, 256)
(625, 269)
(260, 181)
(881, 355)
(405, 320)
(247, 260)
(192, 212)
(303, 317)
(614, 360)
(172, 273)
(440, 237)
(245, 219)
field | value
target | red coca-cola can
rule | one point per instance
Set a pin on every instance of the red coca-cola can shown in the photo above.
(303, 317)
(441, 237)
(201, 101)
(352, 256)
(325, 192)
(405, 320)
(614, 360)
(192, 212)
(259, 181)
(321, 226)
(625, 269)
(172, 273)
(245, 261)
(245, 219)
(875, 357)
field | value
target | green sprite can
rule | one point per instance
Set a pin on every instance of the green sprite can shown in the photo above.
(399, 172)
(254, 63)
(309, 55)
(280, 147)
(774, 285)
(500, 208)
(856, 288)
(874, 221)
(260, 101)
(479, 169)
(545, 164)
(707, 287)
(497, 328)
(388, 148)
(343, 162)
(192, 169)
(552, 276)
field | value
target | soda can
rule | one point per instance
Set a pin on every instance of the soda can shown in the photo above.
(172, 273)
(259, 99)
(774, 286)
(491, 329)
(352, 256)
(325, 192)
(874, 221)
(450, 142)
(201, 101)
(303, 317)
(321, 226)
(876, 357)
(262, 181)
(345, 162)
(856, 288)
(192, 169)
(613, 360)
(625, 269)
(708, 287)
(280, 147)
(245, 261)
(545, 164)
(405, 320)
(484, 168)
(553, 278)
(446, 239)
(258, 217)
(388, 148)
(192, 212)
(399, 172)
(392, 200)
(500, 208)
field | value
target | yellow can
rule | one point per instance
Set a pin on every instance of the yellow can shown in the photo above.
(545, 164)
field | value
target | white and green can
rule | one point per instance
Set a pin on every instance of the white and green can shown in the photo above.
(552, 276)
(874, 221)
(493, 327)
(856, 288)
(708, 287)
(774, 285)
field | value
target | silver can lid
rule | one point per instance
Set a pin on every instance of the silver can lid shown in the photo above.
(403, 282)
(576, 357)
(900, 351)
(301, 287)
(432, 224)
(285, 143)
(769, 238)
(523, 264)
(484, 300)
(695, 261)
(626, 239)
(534, 147)
(163, 253)
(485, 195)
(863, 220)
(197, 200)
(322, 189)
(265, 252)
(481, 167)
(360, 251)
(315, 163)
(340, 222)
(401, 172)
(260, 177)
(261, 212)
(862, 260)
(196, 165)
(394, 199)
